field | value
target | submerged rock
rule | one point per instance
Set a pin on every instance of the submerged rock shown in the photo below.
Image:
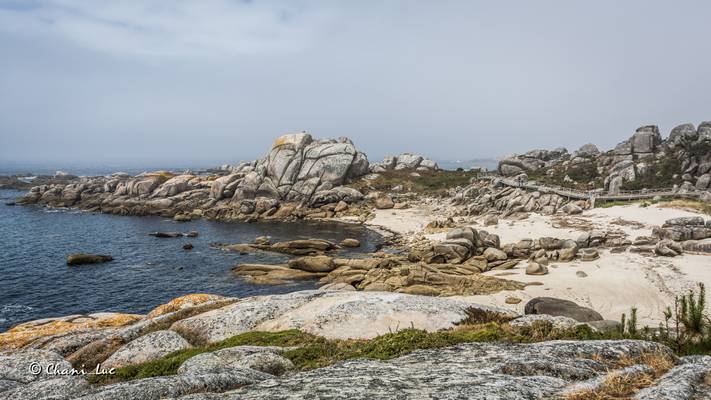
(86, 258)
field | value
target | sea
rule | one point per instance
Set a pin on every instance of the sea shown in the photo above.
(35, 281)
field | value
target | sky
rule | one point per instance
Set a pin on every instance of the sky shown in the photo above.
(208, 82)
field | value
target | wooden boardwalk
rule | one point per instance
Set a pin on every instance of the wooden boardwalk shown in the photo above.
(592, 195)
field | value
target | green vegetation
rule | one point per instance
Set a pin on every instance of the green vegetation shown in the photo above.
(428, 182)
(659, 174)
(584, 176)
(686, 328)
(701, 149)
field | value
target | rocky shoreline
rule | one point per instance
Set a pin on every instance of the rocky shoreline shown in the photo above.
(462, 251)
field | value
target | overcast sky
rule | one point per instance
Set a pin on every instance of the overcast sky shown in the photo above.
(214, 81)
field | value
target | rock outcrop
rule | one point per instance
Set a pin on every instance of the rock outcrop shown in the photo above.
(683, 160)
(684, 233)
(404, 162)
(298, 170)
(531, 161)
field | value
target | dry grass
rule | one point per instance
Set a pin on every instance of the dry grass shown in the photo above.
(688, 205)
(622, 386)
(615, 386)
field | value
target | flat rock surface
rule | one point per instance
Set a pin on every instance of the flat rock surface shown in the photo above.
(467, 371)
(332, 314)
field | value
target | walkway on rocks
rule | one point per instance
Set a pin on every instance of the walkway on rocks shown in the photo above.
(592, 195)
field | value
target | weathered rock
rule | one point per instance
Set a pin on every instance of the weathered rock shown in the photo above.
(185, 302)
(349, 242)
(259, 358)
(39, 331)
(668, 248)
(454, 251)
(549, 243)
(334, 314)
(463, 233)
(304, 246)
(163, 387)
(684, 221)
(560, 307)
(493, 254)
(588, 254)
(56, 388)
(85, 258)
(567, 254)
(534, 268)
(147, 348)
(313, 264)
(469, 371)
(26, 366)
(384, 202)
(697, 246)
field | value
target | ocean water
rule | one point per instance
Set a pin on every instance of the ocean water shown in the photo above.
(35, 281)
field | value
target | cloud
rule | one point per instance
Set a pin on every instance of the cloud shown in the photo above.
(171, 27)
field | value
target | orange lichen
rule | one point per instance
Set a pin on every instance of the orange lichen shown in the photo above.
(182, 302)
(22, 334)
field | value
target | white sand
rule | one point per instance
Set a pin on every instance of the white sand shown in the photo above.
(614, 283)
(405, 221)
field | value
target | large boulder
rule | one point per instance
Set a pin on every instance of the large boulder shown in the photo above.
(313, 264)
(560, 307)
(646, 139)
(298, 165)
(174, 186)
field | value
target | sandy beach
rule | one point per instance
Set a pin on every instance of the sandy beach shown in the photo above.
(611, 284)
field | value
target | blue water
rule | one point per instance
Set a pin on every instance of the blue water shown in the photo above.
(35, 281)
